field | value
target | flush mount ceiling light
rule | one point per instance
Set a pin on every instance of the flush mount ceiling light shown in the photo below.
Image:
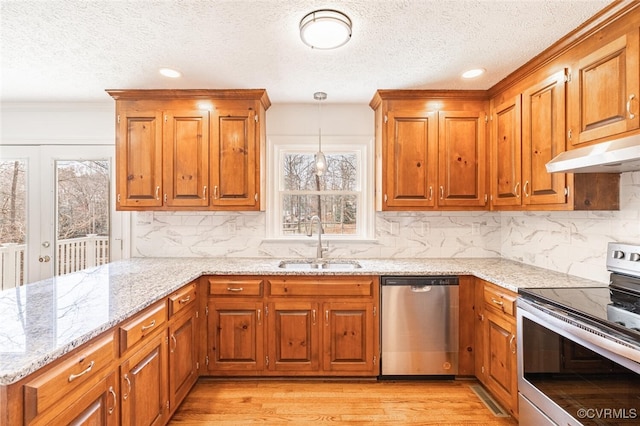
(325, 29)
(171, 73)
(476, 72)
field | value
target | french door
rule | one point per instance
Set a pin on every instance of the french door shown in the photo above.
(57, 211)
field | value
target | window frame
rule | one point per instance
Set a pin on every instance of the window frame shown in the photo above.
(278, 146)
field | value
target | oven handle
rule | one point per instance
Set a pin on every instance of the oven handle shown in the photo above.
(619, 351)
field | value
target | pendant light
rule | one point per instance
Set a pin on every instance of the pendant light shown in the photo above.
(321, 160)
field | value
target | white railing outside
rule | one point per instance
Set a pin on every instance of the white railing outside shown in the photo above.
(12, 262)
(75, 254)
(71, 255)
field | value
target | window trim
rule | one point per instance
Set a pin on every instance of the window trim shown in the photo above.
(361, 145)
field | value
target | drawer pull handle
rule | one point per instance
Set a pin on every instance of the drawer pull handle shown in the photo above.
(175, 343)
(516, 190)
(313, 316)
(497, 302)
(126, 395)
(75, 376)
(511, 345)
(147, 327)
(115, 400)
(236, 289)
(185, 300)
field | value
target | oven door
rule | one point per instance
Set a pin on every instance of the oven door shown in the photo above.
(570, 373)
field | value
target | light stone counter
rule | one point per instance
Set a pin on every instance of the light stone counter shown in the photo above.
(42, 321)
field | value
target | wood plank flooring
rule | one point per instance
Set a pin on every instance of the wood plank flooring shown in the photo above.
(306, 402)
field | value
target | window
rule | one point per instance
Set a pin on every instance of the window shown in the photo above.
(338, 197)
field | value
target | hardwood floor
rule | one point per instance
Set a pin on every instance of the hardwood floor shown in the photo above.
(277, 402)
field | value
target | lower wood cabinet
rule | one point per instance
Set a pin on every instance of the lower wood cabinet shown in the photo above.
(144, 384)
(97, 406)
(282, 326)
(496, 359)
(235, 342)
(183, 355)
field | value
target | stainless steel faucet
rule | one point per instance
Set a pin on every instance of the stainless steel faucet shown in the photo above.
(320, 248)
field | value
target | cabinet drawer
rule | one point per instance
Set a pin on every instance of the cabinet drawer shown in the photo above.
(182, 298)
(321, 287)
(235, 287)
(46, 390)
(141, 325)
(500, 300)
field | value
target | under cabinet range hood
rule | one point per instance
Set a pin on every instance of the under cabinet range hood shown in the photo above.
(616, 156)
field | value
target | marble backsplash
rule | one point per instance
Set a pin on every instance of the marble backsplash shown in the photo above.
(568, 242)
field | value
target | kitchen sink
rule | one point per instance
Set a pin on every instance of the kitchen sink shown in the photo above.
(306, 265)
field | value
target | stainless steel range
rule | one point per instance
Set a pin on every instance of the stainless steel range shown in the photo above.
(579, 349)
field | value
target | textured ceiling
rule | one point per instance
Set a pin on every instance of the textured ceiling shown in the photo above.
(69, 50)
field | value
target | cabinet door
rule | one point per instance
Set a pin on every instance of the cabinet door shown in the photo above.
(183, 356)
(144, 384)
(234, 167)
(462, 159)
(96, 407)
(411, 160)
(294, 343)
(543, 137)
(500, 372)
(139, 159)
(604, 90)
(235, 337)
(186, 158)
(349, 336)
(506, 153)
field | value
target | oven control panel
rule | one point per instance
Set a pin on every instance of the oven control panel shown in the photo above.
(624, 258)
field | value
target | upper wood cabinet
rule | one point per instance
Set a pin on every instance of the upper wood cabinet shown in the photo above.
(411, 159)
(430, 150)
(527, 132)
(189, 149)
(604, 89)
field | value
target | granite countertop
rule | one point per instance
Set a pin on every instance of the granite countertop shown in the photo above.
(42, 321)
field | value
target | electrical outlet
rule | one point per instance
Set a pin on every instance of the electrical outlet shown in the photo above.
(426, 228)
(475, 228)
(232, 228)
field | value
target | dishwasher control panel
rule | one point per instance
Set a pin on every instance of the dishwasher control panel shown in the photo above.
(420, 281)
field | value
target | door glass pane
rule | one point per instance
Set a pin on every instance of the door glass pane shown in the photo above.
(82, 212)
(13, 222)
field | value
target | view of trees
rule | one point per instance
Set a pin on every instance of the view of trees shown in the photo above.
(329, 196)
(12, 202)
(82, 199)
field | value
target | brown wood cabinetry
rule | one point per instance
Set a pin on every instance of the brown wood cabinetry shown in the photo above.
(183, 344)
(496, 360)
(314, 326)
(430, 150)
(82, 383)
(527, 132)
(189, 149)
(144, 383)
(235, 329)
(604, 88)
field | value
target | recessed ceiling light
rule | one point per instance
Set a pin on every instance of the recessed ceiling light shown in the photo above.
(325, 29)
(476, 72)
(168, 72)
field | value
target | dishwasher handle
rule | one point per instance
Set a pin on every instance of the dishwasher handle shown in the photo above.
(421, 288)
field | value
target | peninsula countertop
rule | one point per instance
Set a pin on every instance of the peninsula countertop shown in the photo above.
(42, 321)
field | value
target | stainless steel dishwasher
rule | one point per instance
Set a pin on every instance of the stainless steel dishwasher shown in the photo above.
(419, 333)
